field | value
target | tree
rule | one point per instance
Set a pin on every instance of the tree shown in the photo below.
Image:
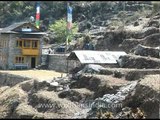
(59, 28)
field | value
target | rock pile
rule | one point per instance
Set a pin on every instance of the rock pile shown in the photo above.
(147, 51)
(139, 62)
(147, 96)
(113, 102)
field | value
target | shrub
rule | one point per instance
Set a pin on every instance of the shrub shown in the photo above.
(59, 27)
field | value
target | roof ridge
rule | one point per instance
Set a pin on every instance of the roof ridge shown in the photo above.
(13, 26)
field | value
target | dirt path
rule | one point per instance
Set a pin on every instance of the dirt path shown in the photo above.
(37, 74)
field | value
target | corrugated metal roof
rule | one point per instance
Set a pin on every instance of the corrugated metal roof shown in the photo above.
(100, 57)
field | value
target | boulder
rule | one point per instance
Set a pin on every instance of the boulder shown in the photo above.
(139, 62)
(152, 40)
(146, 51)
(90, 68)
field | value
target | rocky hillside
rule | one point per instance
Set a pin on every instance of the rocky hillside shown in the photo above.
(130, 90)
(117, 27)
(13, 11)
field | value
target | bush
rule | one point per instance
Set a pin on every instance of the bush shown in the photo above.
(59, 27)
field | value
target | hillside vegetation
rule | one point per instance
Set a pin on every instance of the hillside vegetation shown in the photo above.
(14, 11)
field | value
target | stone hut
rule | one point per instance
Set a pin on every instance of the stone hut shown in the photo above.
(20, 46)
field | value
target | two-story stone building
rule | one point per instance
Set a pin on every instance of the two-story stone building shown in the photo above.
(20, 46)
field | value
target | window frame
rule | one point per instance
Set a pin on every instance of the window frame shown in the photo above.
(35, 42)
(19, 60)
(18, 43)
(29, 41)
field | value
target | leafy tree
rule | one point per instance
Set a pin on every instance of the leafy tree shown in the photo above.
(59, 28)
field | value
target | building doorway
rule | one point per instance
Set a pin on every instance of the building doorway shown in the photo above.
(33, 62)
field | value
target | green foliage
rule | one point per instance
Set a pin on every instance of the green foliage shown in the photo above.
(60, 29)
(15, 11)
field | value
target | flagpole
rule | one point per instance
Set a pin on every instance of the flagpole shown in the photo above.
(67, 30)
(69, 26)
(38, 14)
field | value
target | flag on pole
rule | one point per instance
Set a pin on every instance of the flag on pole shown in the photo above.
(69, 18)
(69, 22)
(38, 15)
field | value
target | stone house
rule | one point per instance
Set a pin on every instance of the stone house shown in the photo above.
(20, 46)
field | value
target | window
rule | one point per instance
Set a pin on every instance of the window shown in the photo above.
(27, 43)
(19, 43)
(1, 43)
(19, 60)
(1, 56)
(4, 58)
(4, 43)
(34, 44)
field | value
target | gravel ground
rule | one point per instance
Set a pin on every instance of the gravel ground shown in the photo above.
(36, 74)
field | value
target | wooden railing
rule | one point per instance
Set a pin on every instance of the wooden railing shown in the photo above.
(29, 51)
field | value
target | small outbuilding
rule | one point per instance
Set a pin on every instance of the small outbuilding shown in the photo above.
(95, 57)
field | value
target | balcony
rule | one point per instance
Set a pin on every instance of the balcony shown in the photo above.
(29, 51)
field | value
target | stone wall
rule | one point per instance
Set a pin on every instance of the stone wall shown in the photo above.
(14, 51)
(11, 80)
(4, 50)
(58, 63)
